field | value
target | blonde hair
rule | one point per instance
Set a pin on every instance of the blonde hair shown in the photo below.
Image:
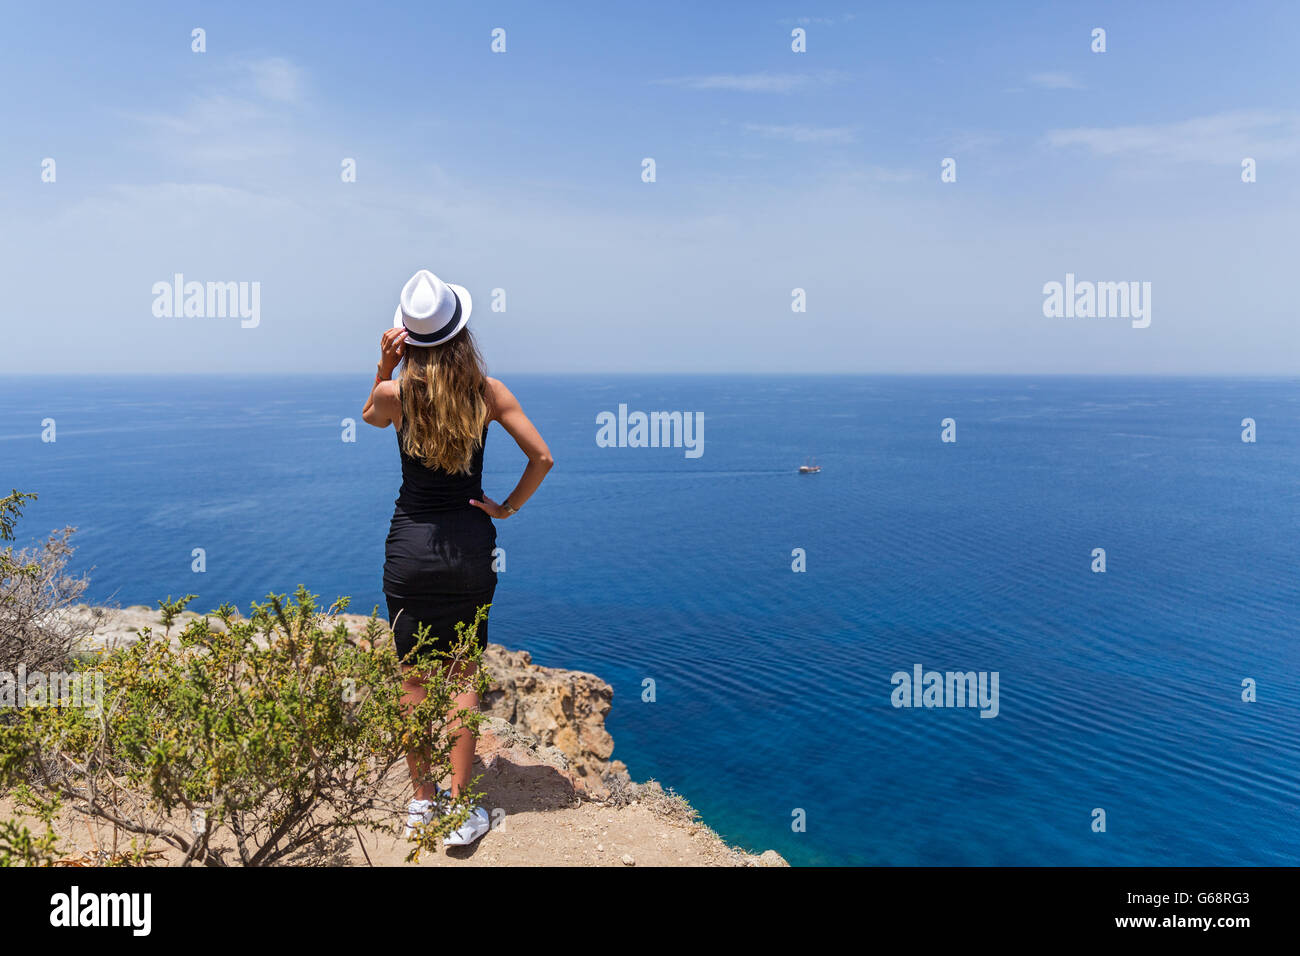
(444, 403)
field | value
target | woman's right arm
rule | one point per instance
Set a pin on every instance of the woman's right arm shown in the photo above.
(383, 406)
(505, 408)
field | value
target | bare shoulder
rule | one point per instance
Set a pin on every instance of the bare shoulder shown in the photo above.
(499, 397)
(390, 398)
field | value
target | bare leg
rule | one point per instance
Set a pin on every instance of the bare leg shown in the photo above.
(462, 754)
(418, 760)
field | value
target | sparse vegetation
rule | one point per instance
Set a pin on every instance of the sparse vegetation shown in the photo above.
(37, 631)
(252, 741)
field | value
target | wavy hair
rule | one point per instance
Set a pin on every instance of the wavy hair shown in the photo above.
(444, 402)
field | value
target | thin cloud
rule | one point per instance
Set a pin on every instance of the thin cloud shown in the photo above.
(754, 82)
(1221, 138)
(171, 195)
(216, 130)
(880, 174)
(205, 116)
(276, 79)
(803, 134)
(960, 141)
(817, 21)
(1056, 81)
(820, 21)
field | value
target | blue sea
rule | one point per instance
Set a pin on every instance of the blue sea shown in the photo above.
(1118, 691)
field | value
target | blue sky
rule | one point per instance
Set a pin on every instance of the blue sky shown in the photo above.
(775, 170)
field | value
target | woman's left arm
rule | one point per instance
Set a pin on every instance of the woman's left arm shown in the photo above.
(507, 411)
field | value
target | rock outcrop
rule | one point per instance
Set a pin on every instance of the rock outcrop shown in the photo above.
(563, 709)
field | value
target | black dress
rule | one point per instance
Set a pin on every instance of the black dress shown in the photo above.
(438, 556)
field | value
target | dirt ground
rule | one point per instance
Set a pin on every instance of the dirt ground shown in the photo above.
(541, 818)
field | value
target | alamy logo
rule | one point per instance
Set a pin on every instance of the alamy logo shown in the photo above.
(102, 909)
(1098, 300)
(652, 430)
(208, 300)
(60, 689)
(950, 689)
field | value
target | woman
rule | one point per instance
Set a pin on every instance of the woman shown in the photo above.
(438, 558)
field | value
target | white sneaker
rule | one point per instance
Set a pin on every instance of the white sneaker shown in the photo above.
(418, 813)
(478, 824)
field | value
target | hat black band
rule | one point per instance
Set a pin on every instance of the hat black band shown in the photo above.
(442, 332)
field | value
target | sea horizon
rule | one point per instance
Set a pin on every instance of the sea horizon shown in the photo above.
(362, 374)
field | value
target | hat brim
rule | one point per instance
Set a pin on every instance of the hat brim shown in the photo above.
(466, 306)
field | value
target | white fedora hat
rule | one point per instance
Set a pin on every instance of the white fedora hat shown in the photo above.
(431, 311)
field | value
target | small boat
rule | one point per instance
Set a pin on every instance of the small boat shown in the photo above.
(809, 467)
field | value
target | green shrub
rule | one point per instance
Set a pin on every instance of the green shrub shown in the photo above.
(250, 741)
